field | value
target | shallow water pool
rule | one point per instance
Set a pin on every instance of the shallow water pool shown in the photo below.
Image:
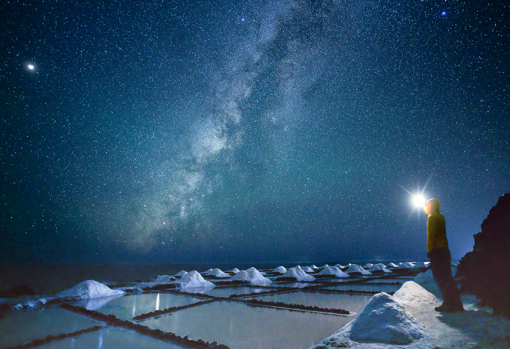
(385, 281)
(127, 307)
(368, 287)
(227, 291)
(112, 338)
(351, 303)
(242, 326)
(26, 325)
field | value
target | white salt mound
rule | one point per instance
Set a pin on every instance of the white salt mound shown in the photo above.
(252, 275)
(217, 272)
(280, 269)
(240, 276)
(235, 271)
(368, 265)
(354, 268)
(379, 267)
(193, 279)
(90, 289)
(181, 273)
(385, 321)
(163, 279)
(415, 294)
(298, 273)
(392, 265)
(334, 271)
(308, 270)
(421, 265)
(426, 280)
(256, 277)
(407, 265)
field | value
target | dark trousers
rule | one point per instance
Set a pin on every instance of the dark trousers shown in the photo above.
(440, 262)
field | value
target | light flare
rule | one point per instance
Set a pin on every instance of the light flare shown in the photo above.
(419, 200)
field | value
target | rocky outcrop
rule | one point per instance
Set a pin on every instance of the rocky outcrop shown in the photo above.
(485, 270)
(17, 291)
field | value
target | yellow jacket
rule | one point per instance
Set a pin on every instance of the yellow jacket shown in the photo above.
(436, 232)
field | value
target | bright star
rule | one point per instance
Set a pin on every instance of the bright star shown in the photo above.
(30, 66)
(443, 13)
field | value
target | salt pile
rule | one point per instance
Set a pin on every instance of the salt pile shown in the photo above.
(217, 273)
(414, 294)
(392, 265)
(161, 279)
(407, 265)
(235, 271)
(193, 279)
(252, 275)
(383, 320)
(379, 268)
(280, 270)
(421, 265)
(368, 265)
(90, 289)
(426, 280)
(339, 266)
(356, 269)
(308, 269)
(334, 271)
(324, 266)
(181, 273)
(313, 266)
(297, 273)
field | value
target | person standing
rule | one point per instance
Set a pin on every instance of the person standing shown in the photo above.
(440, 258)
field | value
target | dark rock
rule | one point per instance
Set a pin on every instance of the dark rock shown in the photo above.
(17, 292)
(485, 270)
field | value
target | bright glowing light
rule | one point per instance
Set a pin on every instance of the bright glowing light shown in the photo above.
(30, 67)
(418, 200)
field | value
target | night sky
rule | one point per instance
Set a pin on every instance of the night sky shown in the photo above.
(248, 131)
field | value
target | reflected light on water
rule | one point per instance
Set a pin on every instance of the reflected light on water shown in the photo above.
(157, 302)
(100, 343)
(134, 307)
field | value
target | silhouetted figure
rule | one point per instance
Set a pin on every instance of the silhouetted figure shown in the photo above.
(440, 258)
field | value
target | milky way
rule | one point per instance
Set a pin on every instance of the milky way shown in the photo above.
(260, 131)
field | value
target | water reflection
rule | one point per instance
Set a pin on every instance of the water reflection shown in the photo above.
(25, 326)
(241, 326)
(227, 291)
(127, 307)
(100, 344)
(368, 287)
(351, 303)
(97, 303)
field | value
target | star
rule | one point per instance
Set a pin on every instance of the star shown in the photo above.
(30, 67)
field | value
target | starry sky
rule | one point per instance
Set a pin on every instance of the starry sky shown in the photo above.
(248, 131)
